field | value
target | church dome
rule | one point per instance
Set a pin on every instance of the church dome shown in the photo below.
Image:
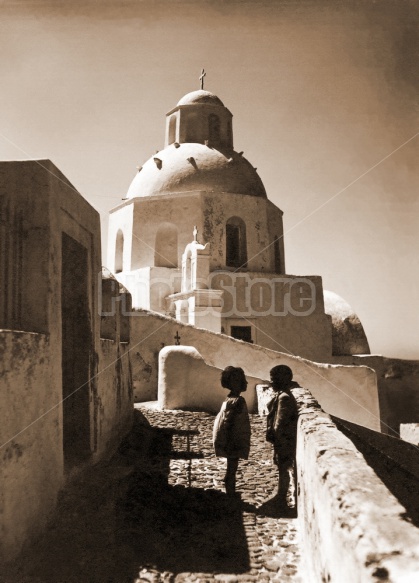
(348, 336)
(200, 96)
(193, 166)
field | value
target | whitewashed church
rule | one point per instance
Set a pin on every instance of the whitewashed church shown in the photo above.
(198, 239)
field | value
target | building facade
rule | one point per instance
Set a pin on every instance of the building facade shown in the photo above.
(198, 239)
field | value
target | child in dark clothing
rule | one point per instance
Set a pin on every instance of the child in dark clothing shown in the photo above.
(231, 434)
(281, 429)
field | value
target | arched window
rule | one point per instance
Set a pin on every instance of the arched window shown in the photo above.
(166, 248)
(277, 254)
(119, 251)
(214, 128)
(236, 247)
(172, 129)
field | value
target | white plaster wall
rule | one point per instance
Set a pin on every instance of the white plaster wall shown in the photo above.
(349, 392)
(183, 210)
(120, 218)
(186, 381)
(410, 432)
(31, 467)
(150, 286)
(398, 386)
(286, 312)
(209, 212)
(276, 229)
(218, 207)
(194, 123)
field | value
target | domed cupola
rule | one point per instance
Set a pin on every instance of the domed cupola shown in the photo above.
(200, 117)
(198, 154)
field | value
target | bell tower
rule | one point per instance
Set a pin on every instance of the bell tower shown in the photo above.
(200, 117)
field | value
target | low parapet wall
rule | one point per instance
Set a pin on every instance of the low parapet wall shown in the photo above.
(186, 381)
(398, 388)
(353, 527)
(349, 392)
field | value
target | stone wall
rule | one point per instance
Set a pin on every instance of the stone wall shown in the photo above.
(349, 392)
(353, 527)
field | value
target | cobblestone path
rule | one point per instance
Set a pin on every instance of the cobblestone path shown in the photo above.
(157, 512)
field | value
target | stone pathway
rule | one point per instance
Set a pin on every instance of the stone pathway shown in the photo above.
(157, 512)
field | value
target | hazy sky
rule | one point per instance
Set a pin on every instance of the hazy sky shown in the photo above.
(325, 103)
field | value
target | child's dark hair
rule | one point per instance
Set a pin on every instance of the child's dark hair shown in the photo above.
(228, 373)
(282, 372)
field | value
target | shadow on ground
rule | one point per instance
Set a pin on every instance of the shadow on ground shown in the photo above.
(121, 516)
(174, 528)
(181, 529)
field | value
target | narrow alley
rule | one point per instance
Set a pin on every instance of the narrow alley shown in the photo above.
(157, 512)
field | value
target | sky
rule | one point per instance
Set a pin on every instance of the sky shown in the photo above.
(325, 103)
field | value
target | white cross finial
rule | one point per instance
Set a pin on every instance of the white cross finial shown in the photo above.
(201, 78)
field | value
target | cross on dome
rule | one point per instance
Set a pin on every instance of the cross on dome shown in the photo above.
(201, 78)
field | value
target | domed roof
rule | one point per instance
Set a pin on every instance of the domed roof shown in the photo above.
(348, 336)
(193, 166)
(200, 96)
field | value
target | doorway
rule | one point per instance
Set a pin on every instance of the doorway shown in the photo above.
(76, 347)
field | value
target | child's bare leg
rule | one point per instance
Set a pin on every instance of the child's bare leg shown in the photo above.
(230, 477)
(283, 483)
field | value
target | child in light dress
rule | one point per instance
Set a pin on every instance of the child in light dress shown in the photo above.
(231, 436)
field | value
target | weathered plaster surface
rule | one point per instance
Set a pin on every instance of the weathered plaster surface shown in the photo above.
(187, 382)
(115, 396)
(121, 220)
(398, 388)
(349, 392)
(210, 169)
(410, 432)
(31, 392)
(347, 331)
(31, 466)
(140, 218)
(353, 530)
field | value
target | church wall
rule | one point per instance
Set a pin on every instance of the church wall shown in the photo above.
(349, 392)
(150, 286)
(120, 218)
(275, 229)
(286, 312)
(308, 337)
(194, 124)
(140, 219)
(219, 207)
(181, 210)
